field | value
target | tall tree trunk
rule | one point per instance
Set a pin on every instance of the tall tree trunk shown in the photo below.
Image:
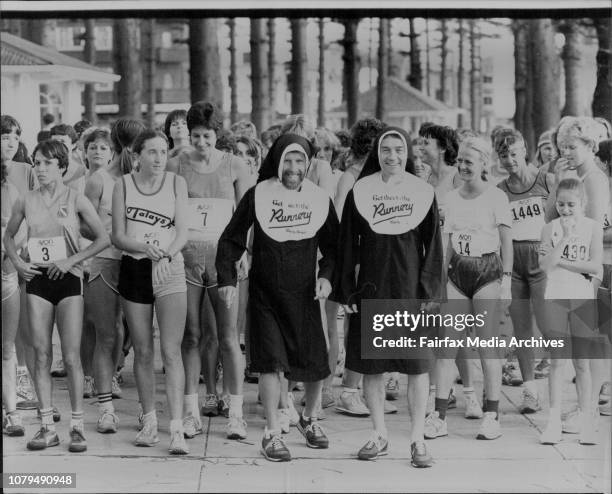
(416, 76)
(232, 79)
(272, 67)
(299, 66)
(546, 69)
(443, 58)
(149, 72)
(572, 56)
(475, 76)
(427, 58)
(205, 83)
(370, 56)
(127, 63)
(602, 97)
(351, 70)
(383, 69)
(89, 53)
(41, 31)
(392, 69)
(260, 112)
(461, 73)
(523, 85)
(321, 95)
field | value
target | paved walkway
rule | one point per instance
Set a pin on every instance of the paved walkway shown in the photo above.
(514, 463)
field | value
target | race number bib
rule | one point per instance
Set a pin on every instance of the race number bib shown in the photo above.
(159, 238)
(393, 208)
(575, 250)
(288, 214)
(527, 218)
(46, 250)
(467, 243)
(210, 216)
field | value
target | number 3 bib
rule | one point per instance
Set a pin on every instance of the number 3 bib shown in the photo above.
(46, 250)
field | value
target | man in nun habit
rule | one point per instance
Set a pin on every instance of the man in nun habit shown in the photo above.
(292, 219)
(399, 257)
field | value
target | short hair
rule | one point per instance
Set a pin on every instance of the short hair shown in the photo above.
(571, 184)
(22, 156)
(505, 138)
(95, 135)
(446, 137)
(344, 136)
(464, 133)
(299, 124)
(171, 117)
(144, 136)
(253, 147)
(9, 124)
(65, 130)
(48, 118)
(363, 134)
(604, 151)
(81, 126)
(583, 128)
(483, 148)
(43, 135)
(204, 114)
(53, 149)
(325, 136)
(226, 141)
(244, 128)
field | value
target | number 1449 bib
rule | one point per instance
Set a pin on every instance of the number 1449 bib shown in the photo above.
(527, 218)
(47, 249)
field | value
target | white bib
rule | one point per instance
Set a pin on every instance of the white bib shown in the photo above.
(210, 216)
(527, 218)
(285, 214)
(47, 250)
(467, 243)
(394, 207)
(159, 238)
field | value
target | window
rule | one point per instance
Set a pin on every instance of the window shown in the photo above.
(488, 100)
(487, 79)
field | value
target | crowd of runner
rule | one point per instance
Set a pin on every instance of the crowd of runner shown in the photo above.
(213, 236)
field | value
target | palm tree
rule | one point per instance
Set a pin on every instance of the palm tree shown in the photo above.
(259, 79)
(383, 68)
(299, 66)
(602, 97)
(205, 84)
(126, 33)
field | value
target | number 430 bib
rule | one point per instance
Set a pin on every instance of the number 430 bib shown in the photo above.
(47, 249)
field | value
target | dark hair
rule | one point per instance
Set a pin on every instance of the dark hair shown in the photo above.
(81, 126)
(604, 153)
(226, 141)
(48, 118)
(65, 130)
(22, 156)
(204, 114)
(52, 149)
(172, 116)
(145, 136)
(3, 171)
(8, 124)
(253, 148)
(43, 135)
(363, 134)
(344, 136)
(123, 133)
(571, 184)
(93, 136)
(446, 137)
(506, 137)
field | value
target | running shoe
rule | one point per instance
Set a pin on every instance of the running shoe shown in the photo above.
(389, 408)
(284, 420)
(605, 392)
(224, 406)
(58, 369)
(294, 416)
(236, 428)
(178, 445)
(452, 400)
(511, 376)
(605, 409)
(298, 387)
(572, 422)
(77, 444)
(375, 447)
(192, 426)
(210, 408)
(26, 395)
(542, 369)
(435, 426)
(43, 439)
(12, 425)
(489, 428)
(274, 449)
(327, 398)
(313, 432)
(392, 389)
(352, 404)
(530, 403)
(115, 387)
(107, 423)
(420, 456)
(552, 434)
(89, 387)
(473, 410)
(147, 437)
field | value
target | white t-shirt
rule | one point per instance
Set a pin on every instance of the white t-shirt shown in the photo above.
(473, 223)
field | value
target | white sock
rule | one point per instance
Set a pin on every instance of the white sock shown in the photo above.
(176, 426)
(190, 404)
(235, 405)
(150, 417)
(468, 389)
(554, 414)
(349, 390)
(531, 387)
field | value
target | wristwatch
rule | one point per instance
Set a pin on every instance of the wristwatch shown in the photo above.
(167, 256)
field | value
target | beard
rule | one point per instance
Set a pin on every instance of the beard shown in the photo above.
(292, 181)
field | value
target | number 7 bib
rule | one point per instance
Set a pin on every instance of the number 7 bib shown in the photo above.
(46, 250)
